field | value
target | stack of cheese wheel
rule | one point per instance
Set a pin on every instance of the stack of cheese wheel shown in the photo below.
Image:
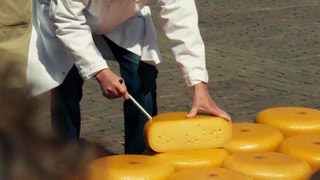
(172, 131)
(209, 174)
(291, 120)
(133, 167)
(252, 137)
(194, 158)
(306, 147)
(268, 165)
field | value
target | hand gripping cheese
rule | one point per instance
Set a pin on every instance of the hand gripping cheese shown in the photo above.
(209, 174)
(253, 137)
(268, 165)
(133, 167)
(174, 132)
(291, 120)
(194, 158)
(306, 147)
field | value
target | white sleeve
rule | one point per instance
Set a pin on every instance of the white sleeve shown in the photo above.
(72, 30)
(179, 20)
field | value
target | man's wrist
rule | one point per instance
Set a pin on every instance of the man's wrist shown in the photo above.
(200, 84)
(100, 73)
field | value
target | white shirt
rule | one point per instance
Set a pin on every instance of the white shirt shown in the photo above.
(75, 20)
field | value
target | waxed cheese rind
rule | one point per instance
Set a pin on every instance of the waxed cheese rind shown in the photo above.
(291, 120)
(268, 165)
(126, 166)
(209, 173)
(253, 137)
(306, 147)
(201, 158)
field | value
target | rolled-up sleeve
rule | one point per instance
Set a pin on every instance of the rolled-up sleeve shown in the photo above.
(179, 20)
(72, 30)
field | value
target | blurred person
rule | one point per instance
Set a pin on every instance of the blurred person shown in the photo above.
(15, 31)
(27, 152)
(68, 56)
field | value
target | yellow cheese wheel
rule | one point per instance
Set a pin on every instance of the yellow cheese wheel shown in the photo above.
(252, 137)
(133, 167)
(291, 120)
(306, 147)
(172, 131)
(209, 174)
(194, 158)
(268, 165)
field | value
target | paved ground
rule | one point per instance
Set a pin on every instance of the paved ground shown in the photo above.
(260, 54)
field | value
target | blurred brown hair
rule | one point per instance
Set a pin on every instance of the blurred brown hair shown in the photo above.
(25, 152)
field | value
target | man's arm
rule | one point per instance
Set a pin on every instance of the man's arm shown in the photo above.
(75, 34)
(179, 19)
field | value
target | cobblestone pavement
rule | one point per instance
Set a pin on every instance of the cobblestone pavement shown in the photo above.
(260, 54)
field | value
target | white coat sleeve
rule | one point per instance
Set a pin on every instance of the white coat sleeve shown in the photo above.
(72, 30)
(179, 20)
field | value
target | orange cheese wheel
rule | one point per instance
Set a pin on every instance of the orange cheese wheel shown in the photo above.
(306, 147)
(291, 120)
(268, 165)
(174, 132)
(133, 167)
(194, 158)
(252, 137)
(209, 174)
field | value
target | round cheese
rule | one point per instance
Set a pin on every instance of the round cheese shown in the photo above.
(306, 147)
(174, 132)
(194, 158)
(291, 120)
(133, 167)
(268, 165)
(252, 137)
(209, 174)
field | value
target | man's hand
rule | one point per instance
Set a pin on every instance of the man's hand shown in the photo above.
(112, 85)
(202, 102)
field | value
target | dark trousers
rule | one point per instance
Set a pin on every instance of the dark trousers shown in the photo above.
(65, 107)
(140, 79)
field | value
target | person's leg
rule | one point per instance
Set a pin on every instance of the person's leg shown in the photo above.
(140, 79)
(65, 107)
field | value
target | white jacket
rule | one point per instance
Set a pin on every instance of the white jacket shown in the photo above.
(61, 37)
